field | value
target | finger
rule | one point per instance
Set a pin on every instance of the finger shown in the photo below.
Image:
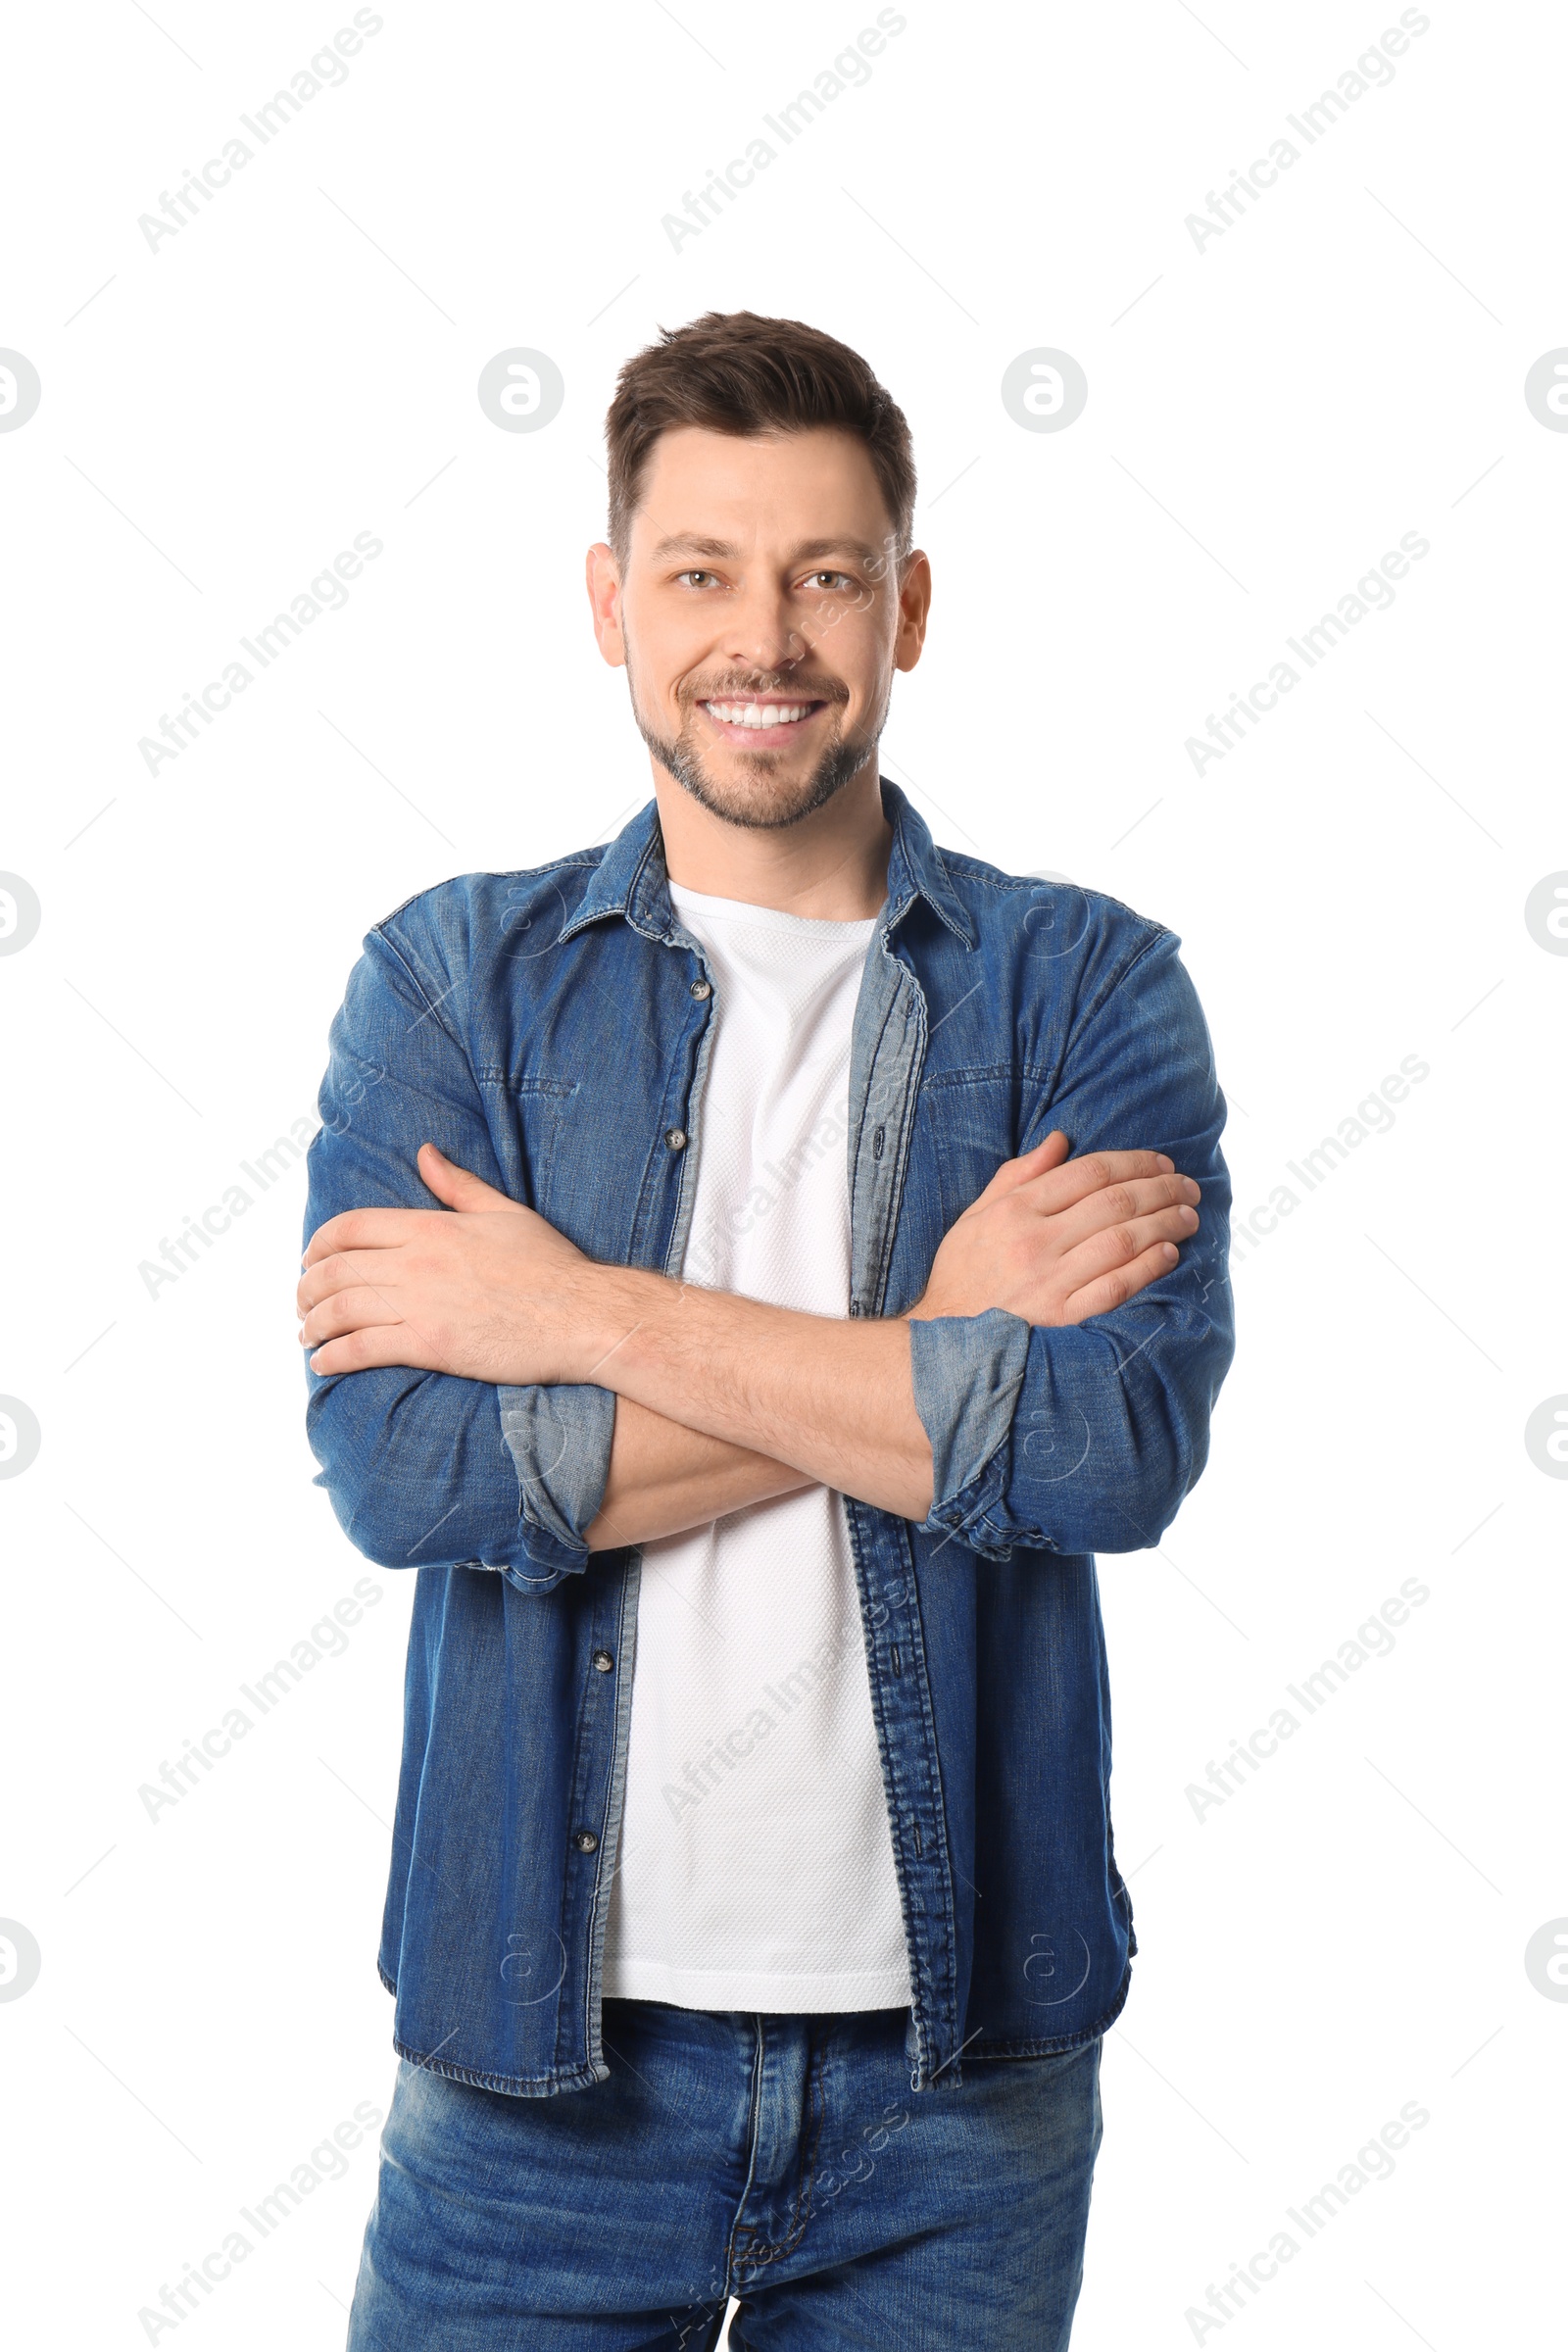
(347, 1310)
(345, 1269)
(1064, 1186)
(361, 1351)
(1036, 1162)
(1107, 1292)
(1118, 1245)
(364, 1229)
(456, 1187)
(1115, 1205)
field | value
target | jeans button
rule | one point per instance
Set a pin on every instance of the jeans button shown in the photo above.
(675, 1138)
(585, 1841)
(603, 1661)
(701, 991)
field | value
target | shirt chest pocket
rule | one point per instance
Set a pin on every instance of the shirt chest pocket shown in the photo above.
(545, 1109)
(970, 1123)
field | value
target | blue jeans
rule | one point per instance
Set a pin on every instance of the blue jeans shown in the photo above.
(780, 2159)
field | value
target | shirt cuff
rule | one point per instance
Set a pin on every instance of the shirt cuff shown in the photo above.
(560, 1440)
(969, 1371)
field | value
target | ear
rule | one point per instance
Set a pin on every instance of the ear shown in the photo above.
(604, 600)
(914, 606)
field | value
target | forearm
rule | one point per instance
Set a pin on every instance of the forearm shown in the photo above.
(665, 1479)
(833, 1400)
(495, 1294)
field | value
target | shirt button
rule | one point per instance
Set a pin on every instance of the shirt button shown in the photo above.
(675, 1138)
(701, 991)
(585, 1841)
(603, 1661)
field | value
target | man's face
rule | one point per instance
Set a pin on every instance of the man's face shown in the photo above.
(761, 617)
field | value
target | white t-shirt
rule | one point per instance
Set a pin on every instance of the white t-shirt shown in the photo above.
(756, 1866)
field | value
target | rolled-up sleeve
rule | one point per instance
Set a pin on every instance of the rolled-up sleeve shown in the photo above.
(423, 1468)
(560, 1440)
(1087, 1437)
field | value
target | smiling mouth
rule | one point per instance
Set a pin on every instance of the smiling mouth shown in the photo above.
(771, 718)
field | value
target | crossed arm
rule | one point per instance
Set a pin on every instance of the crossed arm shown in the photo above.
(721, 1400)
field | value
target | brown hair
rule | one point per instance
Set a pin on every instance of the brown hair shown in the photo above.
(734, 373)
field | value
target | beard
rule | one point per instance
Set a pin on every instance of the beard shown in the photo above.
(763, 796)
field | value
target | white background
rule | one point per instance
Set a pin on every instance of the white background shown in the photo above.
(1266, 416)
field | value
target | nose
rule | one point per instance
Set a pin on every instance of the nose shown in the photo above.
(762, 629)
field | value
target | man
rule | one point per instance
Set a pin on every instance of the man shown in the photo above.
(817, 1283)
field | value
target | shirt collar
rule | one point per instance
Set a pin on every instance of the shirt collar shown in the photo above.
(631, 880)
(916, 870)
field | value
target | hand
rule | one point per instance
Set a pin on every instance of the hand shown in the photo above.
(489, 1294)
(1057, 1243)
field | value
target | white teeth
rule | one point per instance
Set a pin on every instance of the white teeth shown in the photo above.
(757, 714)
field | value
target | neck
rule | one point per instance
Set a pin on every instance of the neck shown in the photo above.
(832, 867)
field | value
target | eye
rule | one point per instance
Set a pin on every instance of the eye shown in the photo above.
(830, 579)
(696, 576)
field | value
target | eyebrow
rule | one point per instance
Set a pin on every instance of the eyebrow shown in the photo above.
(691, 543)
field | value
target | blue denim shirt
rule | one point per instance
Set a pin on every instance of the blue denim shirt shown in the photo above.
(543, 1030)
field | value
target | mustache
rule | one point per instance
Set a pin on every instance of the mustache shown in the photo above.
(734, 682)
